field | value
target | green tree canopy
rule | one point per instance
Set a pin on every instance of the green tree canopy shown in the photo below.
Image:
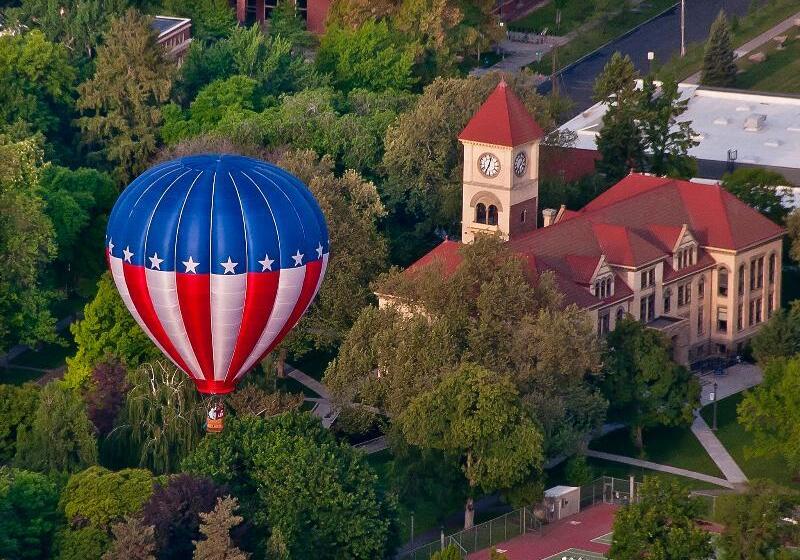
(20, 403)
(216, 527)
(211, 19)
(285, 21)
(793, 230)
(642, 382)
(61, 438)
(269, 463)
(758, 188)
(771, 412)
(29, 514)
(121, 103)
(780, 336)
(371, 57)
(662, 522)
(719, 68)
(476, 417)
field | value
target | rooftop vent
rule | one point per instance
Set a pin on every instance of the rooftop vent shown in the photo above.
(773, 143)
(793, 127)
(743, 108)
(754, 122)
(722, 121)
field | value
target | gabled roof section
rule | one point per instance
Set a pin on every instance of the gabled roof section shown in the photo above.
(583, 267)
(632, 185)
(502, 120)
(446, 254)
(623, 246)
(667, 237)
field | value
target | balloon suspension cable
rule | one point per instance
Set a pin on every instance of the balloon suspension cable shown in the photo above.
(215, 418)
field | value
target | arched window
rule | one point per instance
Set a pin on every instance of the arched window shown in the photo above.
(492, 215)
(722, 282)
(620, 314)
(480, 213)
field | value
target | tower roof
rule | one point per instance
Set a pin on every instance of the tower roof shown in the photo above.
(502, 120)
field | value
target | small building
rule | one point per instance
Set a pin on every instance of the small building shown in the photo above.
(562, 501)
(734, 129)
(174, 34)
(314, 12)
(687, 259)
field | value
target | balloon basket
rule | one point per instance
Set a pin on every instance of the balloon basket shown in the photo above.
(215, 419)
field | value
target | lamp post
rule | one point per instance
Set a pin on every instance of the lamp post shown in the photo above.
(683, 28)
(713, 398)
(651, 56)
(412, 530)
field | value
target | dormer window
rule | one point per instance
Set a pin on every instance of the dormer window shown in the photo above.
(685, 257)
(604, 287)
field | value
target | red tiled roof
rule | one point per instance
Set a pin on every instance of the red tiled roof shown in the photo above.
(502, 120)
(582, 267)
(623, 246)
(665, 236)
(446, 254)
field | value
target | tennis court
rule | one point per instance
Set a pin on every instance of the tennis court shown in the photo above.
(576, 554)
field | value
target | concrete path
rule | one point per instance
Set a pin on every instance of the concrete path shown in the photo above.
(518, 55)
(373, 445)
(323, 408)
(737, 378)
(305, 379)
(660, 468)
(780, 29)
(717, 452)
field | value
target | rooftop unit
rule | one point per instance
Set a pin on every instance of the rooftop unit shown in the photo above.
(755, 122)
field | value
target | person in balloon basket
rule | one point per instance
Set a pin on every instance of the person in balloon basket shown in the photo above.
(215, 418)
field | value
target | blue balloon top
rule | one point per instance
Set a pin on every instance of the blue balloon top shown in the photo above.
(218, 214)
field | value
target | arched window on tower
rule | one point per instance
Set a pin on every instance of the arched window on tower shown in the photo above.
(492, 215)
(480, 213)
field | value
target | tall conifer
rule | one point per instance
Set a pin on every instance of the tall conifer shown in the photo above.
(719, 68)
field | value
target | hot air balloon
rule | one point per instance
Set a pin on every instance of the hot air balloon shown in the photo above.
(217, 257)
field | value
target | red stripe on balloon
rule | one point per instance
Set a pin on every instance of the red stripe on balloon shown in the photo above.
(194, 298)
(307, 292)
(136, 281)
(259, 300)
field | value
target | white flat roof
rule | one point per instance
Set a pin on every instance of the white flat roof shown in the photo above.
(557, 491)
(718, 117)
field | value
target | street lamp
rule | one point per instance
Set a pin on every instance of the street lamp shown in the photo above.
(683, 28)
(713, 398)
(651, 56)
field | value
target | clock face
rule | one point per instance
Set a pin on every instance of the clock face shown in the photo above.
(520, 164)
(489, 165)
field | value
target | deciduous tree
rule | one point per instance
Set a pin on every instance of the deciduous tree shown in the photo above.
(29, 514)
(106, 395)
(216, 526)
(760, 188)
(285, 21)
(780, 336)
(476, 416)
(20, 403)
(122, 101)
(662, 522)
(211, 19)
(133, 540)
(793, 228)
(719, 68)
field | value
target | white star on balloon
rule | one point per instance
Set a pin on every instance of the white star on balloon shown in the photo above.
(229, 266)
(190, 265)
(110, 246)
(319, 250)
(127, 252)
(155, 262)
(266, 264)
(298, 258)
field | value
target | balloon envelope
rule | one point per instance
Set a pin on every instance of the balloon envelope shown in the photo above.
(217, 257)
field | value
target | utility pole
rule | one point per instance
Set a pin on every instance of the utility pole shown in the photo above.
(683, 28)
(553, 78)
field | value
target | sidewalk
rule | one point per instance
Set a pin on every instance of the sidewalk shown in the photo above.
(755, 43)
(323, 408)
(717, 452)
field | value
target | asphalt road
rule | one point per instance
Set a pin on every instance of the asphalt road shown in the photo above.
(661, 35)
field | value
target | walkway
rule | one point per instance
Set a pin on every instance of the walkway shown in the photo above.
(660, 468)
(717, 452)
(737, 378)
(323, 408)
(518, 55)
(780, 29)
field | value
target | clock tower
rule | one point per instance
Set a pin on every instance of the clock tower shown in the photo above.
(501, 167)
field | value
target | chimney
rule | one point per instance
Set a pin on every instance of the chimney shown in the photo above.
(548, 216)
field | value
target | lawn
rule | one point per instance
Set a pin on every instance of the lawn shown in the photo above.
(736, 440)
(574, 14)
(748, 27)
(677, 447)
(313, 363)
(47, 357)
(16, 376)
(779, 73)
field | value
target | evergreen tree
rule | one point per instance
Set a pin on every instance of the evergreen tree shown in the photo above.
(216, 526)
(719, 68)
(122, 102)
(133, 540)
(285, 21)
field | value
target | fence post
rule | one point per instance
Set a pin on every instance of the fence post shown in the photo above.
(630, 492)
(441, 537)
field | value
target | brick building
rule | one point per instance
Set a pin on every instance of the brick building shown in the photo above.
(688, 259)
(315, 12)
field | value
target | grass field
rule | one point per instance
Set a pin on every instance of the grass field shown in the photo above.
(574, 14)
(779, 73)
(736, 440)
(677, 447)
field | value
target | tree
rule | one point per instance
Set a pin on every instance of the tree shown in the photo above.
(793, 230)
(162, 419)
(753, 522)
(28, 514)
(99, 498)
(477, 417)
(42, 79)
(285, 21)
(133, 540)
(61, 438)
(19, 403)
(661, 522)
(211, 19)
(216, 526)
(107, 331)
(174, 511)
(81, 543)
(434, 32)
(371, 57)
(759, 188)
(122, 102)
(347, 517)
(780, 337)
(719, 68)
(352, 14)
(769, 412)
(643, 384)
(616, 81)
(255, 401)
(26, 248)
(666, 140)
(106, 395)
(450, 552)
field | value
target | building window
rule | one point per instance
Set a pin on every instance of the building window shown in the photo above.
(722, 319)
(480, 213)
(684, 294)
(759, 316)
(772, 263)
(701, 287)
(770, 304)
(739, 317)
(685, 257)
(603, 324)
(648, 277)
(722, 275)
(700, 320)
(492, 221)
(523, 216)
(760, 273)
(741, 279)
(604, 288)
(647, 308)
(667, 300)
(620, 314)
